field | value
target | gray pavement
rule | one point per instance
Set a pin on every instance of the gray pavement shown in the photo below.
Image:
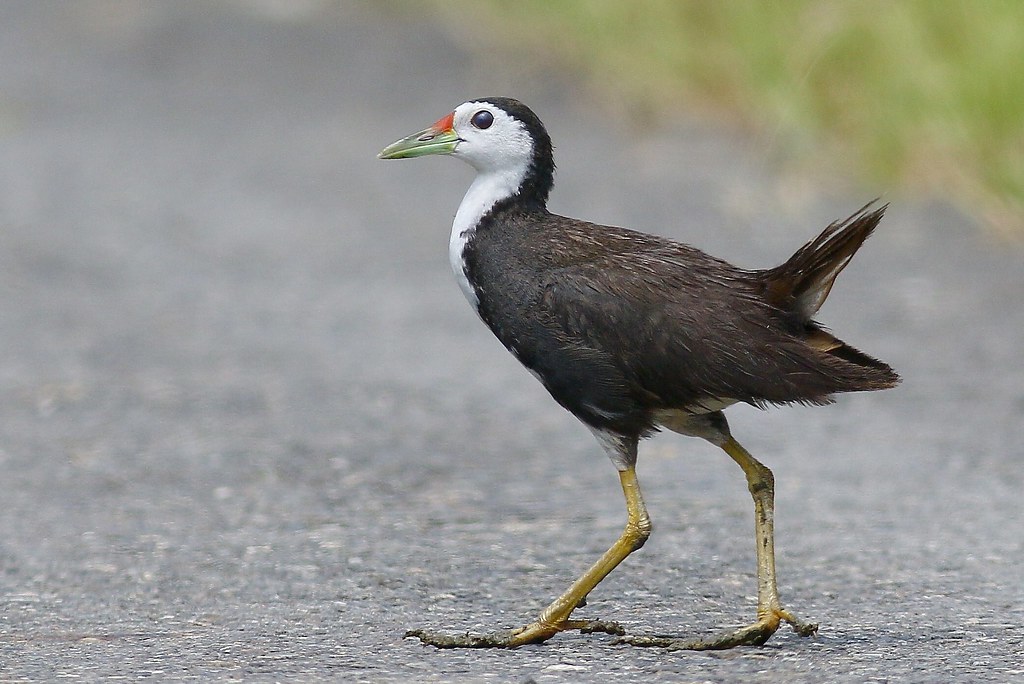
(251, 430)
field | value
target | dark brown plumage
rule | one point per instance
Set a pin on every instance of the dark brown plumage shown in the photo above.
(620, 324)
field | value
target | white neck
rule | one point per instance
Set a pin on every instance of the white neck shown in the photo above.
(488, 188)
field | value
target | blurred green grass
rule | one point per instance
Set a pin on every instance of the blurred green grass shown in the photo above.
(921, 96)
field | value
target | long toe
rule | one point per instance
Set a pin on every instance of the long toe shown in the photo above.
(804, 629)
(534, 633)
(752, 635)
(502, 639)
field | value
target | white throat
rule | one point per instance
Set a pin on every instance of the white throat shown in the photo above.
(488, 188)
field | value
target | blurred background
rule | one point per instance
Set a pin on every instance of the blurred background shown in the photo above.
(920, 96)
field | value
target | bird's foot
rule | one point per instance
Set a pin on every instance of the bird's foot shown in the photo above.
(534, 633)
(751, 635)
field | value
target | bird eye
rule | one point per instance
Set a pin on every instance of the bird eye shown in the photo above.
(482, 119)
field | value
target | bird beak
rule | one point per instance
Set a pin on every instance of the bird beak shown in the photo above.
(440, 138)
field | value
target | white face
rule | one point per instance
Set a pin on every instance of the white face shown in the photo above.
(500, 149)
(491, 140)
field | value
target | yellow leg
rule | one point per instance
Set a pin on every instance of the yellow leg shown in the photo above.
(770, 613)
(555, 618)
(761, 483)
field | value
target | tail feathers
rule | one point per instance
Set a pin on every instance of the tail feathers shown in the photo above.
(799, 288)
(871, 373)
(802, 284)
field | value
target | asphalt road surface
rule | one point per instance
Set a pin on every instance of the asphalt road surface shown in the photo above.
(251, 430)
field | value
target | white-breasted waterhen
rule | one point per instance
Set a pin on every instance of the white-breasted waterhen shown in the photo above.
(632, 332)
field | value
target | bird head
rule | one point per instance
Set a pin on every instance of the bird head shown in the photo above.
(494, 135)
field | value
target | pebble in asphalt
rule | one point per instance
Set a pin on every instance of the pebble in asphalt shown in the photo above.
(251, 430)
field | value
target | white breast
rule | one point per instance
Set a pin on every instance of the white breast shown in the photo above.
(487, 189)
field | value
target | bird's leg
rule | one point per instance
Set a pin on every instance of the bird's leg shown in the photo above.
(555, 618)
(770, 612)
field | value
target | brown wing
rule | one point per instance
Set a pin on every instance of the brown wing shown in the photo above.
(683, 328)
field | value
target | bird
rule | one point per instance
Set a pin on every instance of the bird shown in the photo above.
(633, 333)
